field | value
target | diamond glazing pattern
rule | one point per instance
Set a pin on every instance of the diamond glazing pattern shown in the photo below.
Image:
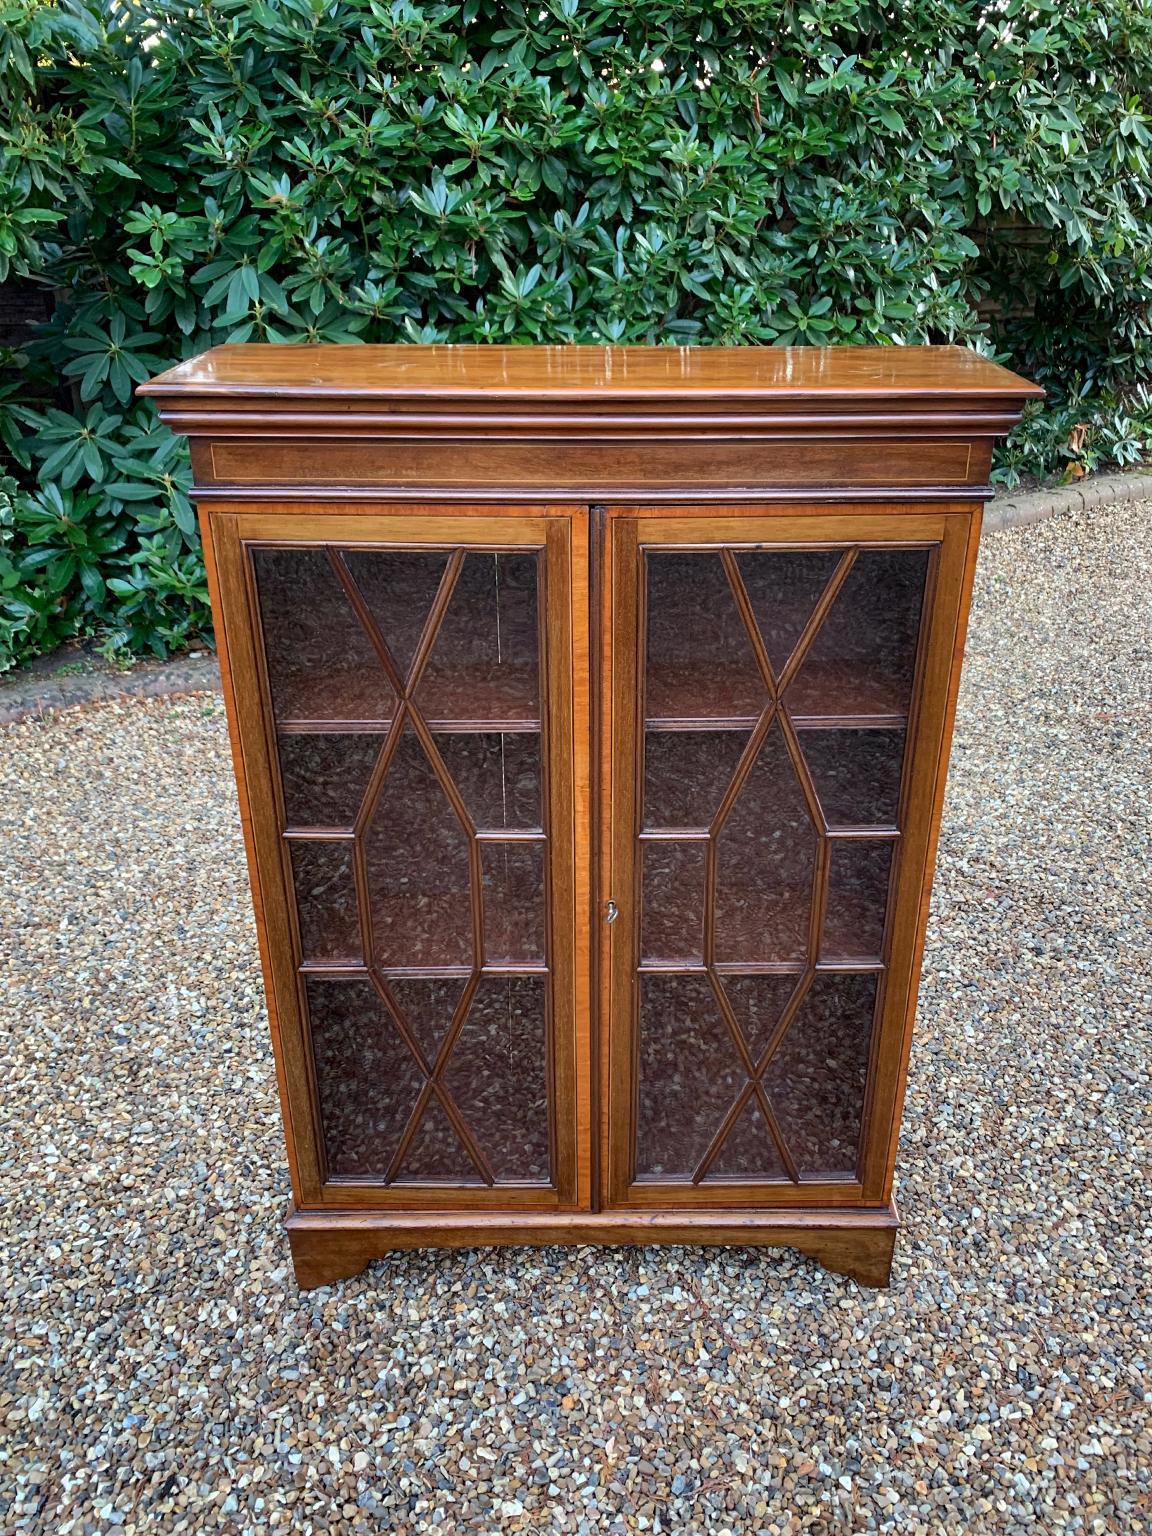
(405, 685)
(774, 746)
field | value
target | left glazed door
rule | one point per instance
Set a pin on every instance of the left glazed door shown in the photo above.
(401, 689)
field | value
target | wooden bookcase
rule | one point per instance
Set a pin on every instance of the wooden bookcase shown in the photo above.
(590, 710)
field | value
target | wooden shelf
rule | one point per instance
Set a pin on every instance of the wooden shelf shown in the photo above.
(480, 726)
(474, 702)
(823, 696)
(761, 968)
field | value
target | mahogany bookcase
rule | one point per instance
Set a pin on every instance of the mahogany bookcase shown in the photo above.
(590, 710)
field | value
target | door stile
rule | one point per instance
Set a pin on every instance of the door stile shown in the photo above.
(623, 630)
(577, 613)
(566, 619)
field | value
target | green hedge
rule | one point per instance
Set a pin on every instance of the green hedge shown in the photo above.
(570, 170)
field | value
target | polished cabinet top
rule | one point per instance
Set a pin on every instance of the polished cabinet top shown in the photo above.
(532, 375)
(594, 423)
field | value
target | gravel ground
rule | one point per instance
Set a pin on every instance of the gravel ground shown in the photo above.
(161, 1373)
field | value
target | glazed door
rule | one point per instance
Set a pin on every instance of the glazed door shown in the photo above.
(776, 718)
(403, 700)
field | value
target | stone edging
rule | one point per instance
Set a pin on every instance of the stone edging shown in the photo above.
(47, 685)
(1017, 509)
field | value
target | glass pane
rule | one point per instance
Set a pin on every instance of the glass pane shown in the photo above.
(514, 902)
(700, 662)
(416, 855)
(428, 1004)
(748, 1151)
(815, 1082)
(399, 587)
(484, 665)
(367, 1080)
(863, 657)
(321, 664)
(783, 589)
(689, 1074)
(498, 776)
(686, 774)
(436, 1151)
(759, 1003)
(672, 926)
(498, 1075)
(324, 777)
(857, 898)
(765, 855)
(856, 774)
(326, 909)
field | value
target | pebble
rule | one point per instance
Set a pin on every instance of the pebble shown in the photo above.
(160, 1372)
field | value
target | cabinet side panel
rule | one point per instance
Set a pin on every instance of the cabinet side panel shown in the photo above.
(236, 646)
(931, 728)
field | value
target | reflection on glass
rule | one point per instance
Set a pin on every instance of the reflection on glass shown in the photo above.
(436, 1152)
(816, 1080)
(784, 587)
(765, 856)
(686, 774)
(416, 856)
(672, 926)
(857, 897)
(326, 910)
(700, 660)
(864, 654)
(759, 1001)
(748, 1151)
(498, 776)
(321, 664)
(428, 1004)
(484, 662)
(399, 588)
(498, 1075)
(514, 902)
(365, 1075)
(856, 774)
(375, 1045)
(324, 777)
(689, 1074)
(700, 666)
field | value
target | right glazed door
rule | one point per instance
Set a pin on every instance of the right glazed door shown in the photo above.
(777, 715)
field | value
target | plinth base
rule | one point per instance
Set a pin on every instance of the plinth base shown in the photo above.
(333, 1245)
